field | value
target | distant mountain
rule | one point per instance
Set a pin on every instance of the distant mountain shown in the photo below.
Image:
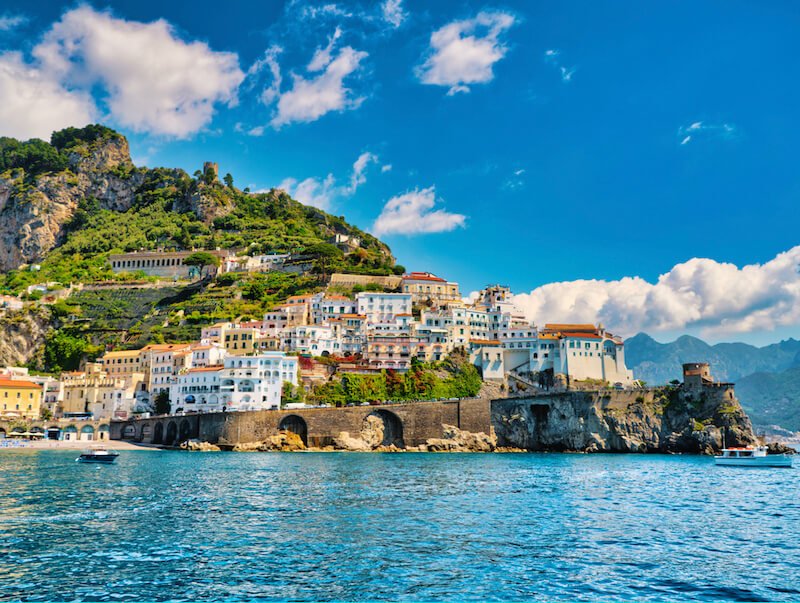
(767, 379)
(772, 398)
(658, 363)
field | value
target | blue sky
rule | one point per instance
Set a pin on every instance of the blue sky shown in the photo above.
(521, 143)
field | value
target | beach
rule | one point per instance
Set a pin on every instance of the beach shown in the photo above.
(45, 444)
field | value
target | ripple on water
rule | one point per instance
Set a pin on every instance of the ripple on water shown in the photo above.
(411, 527)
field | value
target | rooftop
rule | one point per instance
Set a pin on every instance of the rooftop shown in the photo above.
(19, 384)
(423, 276)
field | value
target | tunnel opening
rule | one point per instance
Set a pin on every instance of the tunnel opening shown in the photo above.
(296, 425)
(172, 434)
(185, 431)
(392, 427)
(158, 434)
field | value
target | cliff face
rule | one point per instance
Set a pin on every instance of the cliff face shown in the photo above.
(23, 335)
(35, 212)
(664, 420)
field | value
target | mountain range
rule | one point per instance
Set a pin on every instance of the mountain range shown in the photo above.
(767, 378)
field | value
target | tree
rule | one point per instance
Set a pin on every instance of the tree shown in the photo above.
(290, 394)
(228, 179)
(399, 270)
(161, 402)
(325, 254)
(201, 259)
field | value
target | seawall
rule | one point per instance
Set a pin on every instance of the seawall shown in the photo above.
(657, 420)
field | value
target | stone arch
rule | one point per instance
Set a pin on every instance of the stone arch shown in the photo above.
(53, 432)
(129, 432)
(146, 433)
(158, 433)
(2, 433)
(392, 427)
(172, 433)
(87, 433)
(70, 432)
(295, 424)
(185, 431)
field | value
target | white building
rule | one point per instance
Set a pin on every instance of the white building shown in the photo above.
(256, 382)
(382, 307)
(197, 389)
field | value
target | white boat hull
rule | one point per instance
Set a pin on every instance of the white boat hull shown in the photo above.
(773, 460)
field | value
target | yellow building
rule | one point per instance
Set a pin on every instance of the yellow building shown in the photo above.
(240, 340)
(20, 398)
(122, 363)
(427, 287)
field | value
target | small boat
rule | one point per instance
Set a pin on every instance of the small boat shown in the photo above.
(752, 456)
(97, 454)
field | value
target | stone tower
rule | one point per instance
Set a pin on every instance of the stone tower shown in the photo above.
(211, 166)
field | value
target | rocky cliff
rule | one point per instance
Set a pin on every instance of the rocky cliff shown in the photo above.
(80, 195)
(23, 335)
(36, 209)
(670, 419)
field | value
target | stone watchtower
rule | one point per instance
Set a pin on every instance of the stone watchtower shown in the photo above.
(211, 166)
(696, 374)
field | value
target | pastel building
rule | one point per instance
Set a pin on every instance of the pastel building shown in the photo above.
(20, 398)
(166, 264)
(382, 307)
(425, 287)
(256, 382)
(197, 389)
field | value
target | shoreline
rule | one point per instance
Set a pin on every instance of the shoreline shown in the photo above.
(78, 445)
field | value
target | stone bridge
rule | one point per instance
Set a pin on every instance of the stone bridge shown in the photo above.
(58, 429)
(409, 424)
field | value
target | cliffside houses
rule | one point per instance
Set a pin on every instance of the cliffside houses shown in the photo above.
(245, 365)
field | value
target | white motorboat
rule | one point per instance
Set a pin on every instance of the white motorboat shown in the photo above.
(752, 456)
(97, 454)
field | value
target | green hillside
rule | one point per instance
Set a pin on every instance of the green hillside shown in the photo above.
(162, 208)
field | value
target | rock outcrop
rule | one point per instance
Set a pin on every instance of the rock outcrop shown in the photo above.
(23, 334)
(664, 420)
(34, 215)
(283, 441)
(199, 446)
(456, 440)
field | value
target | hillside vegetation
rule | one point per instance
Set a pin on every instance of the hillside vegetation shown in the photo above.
(96, 202)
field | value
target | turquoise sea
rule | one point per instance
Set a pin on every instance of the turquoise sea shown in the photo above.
(192, 526)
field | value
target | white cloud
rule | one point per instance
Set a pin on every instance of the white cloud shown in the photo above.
(386, 168)
(698, 130)
(413, 213)
(552, 56)
(319, 193)
(358, 177)
(32, 105)
(322, 193)
(152, 80)
(393, 12)
(463, 53)
(268, 63)
(324, 11)
(312, 97)
(322, 56)
(9, 22)
(713, 298)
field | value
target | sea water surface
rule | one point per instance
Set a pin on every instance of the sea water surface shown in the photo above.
(226, 526)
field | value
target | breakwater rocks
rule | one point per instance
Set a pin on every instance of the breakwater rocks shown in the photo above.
(199, 446)
(371, 439)
(669, 419)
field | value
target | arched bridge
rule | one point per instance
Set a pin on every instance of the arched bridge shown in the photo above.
(408, 424)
